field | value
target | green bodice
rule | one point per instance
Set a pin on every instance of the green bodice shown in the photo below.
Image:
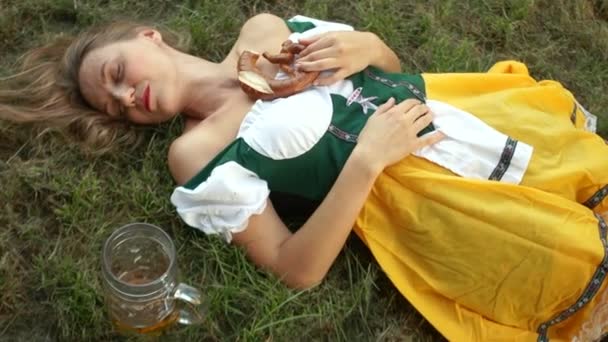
(312, 173)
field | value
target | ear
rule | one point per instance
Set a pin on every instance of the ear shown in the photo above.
(152, 34)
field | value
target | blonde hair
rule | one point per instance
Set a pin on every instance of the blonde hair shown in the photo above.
(45, 91)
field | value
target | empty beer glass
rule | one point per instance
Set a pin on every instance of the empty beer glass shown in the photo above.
(142, 291)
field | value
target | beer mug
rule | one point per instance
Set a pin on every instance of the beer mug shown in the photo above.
(142, 292)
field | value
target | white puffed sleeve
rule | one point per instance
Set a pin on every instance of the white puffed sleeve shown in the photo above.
(224, 202)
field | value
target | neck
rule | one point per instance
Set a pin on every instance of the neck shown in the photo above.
(206, 85)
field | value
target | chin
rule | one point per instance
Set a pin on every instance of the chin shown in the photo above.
(166, 116)
(167, 112)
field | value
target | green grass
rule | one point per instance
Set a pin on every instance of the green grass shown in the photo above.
(57, 205)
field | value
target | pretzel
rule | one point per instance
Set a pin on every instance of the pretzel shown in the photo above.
(259, 86)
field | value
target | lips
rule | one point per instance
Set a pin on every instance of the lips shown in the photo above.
(146, 98)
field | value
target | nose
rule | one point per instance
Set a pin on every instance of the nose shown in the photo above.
(126, 95)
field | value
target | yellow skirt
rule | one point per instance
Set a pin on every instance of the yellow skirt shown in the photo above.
(490, 261)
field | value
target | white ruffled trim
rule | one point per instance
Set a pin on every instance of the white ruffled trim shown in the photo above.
(472, 148)
(223, 203)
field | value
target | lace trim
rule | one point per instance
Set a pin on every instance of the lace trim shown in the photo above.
(412, 88)
(505, 160)
(590, 292)
(350, 137)
(597, 198)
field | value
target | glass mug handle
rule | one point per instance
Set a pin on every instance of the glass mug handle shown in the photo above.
(192, 311)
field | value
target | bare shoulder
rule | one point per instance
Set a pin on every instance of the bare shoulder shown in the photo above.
(194, 149)
(264, 25)
(262, 32)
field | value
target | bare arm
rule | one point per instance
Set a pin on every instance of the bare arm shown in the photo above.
(302, 259)
(385, 58)
(190, 123)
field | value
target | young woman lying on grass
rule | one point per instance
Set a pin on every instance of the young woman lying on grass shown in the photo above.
(488, 220)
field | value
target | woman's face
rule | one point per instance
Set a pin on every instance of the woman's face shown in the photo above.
(135, 78)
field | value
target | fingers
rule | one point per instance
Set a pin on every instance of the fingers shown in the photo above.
(416, 113)
(385, 107)
(314, 44)
(316, 55)
(414, 109)
(410, 111)
(430, 139)
(419, 117)
(320, 65)
(310, 40)
(407, 105)
(422, 121)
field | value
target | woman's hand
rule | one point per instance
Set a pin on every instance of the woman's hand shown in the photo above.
(345, 52)
(390, 134)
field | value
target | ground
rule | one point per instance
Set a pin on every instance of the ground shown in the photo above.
(57, 204)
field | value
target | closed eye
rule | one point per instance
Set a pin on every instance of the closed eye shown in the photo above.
(118, 73)
(121, 72)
